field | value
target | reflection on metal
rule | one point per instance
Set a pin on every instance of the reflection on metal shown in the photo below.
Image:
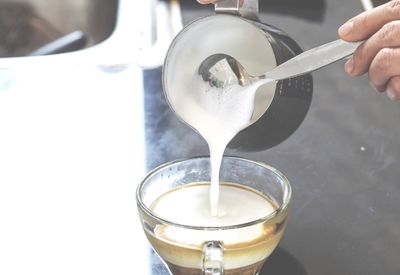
(367, 4)
(227, 6)
(248, 10)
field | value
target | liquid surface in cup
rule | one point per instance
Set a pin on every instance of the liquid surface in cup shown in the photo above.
(218, 116)
(189, 205)
(245, 248)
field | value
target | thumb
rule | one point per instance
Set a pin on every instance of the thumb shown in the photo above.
(367, 23)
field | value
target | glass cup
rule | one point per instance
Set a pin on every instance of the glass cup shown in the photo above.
(214, 250)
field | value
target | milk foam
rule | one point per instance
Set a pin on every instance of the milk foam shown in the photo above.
(188, 206)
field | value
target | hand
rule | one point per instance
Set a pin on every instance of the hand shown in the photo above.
(379, 55)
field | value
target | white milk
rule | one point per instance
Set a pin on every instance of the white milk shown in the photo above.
(195, 198)
(218, 116)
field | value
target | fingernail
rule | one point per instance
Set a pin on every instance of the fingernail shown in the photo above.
(346, 29)
(349, 66)
(391, 94)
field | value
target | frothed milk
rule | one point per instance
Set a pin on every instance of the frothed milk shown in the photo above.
(231, 211)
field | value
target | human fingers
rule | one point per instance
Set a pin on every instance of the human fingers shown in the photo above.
(385, 71)
(387, 37)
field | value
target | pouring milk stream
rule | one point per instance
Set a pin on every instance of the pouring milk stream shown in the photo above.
(218, 115)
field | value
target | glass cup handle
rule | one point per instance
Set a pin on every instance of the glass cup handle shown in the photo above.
(213, 258)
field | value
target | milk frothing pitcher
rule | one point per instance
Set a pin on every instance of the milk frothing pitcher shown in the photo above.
(280, 107)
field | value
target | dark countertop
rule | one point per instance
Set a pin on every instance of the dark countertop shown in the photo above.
(343, 161)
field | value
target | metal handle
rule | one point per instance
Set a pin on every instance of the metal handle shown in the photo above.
(227, 6)
(314, 59)
(213, 258)
(249, 9)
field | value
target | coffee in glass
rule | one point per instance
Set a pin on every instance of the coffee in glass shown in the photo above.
(173, 203)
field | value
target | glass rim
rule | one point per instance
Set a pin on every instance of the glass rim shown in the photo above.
(287, 194)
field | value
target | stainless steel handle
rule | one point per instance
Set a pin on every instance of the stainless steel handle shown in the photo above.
(314, 59)
(228, 6)
(249, 9)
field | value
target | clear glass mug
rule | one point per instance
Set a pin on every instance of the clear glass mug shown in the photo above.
(208, 250)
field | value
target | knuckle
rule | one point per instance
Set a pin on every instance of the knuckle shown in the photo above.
(393, 9)
(388, 31)
(384, 59)
(360, 20)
